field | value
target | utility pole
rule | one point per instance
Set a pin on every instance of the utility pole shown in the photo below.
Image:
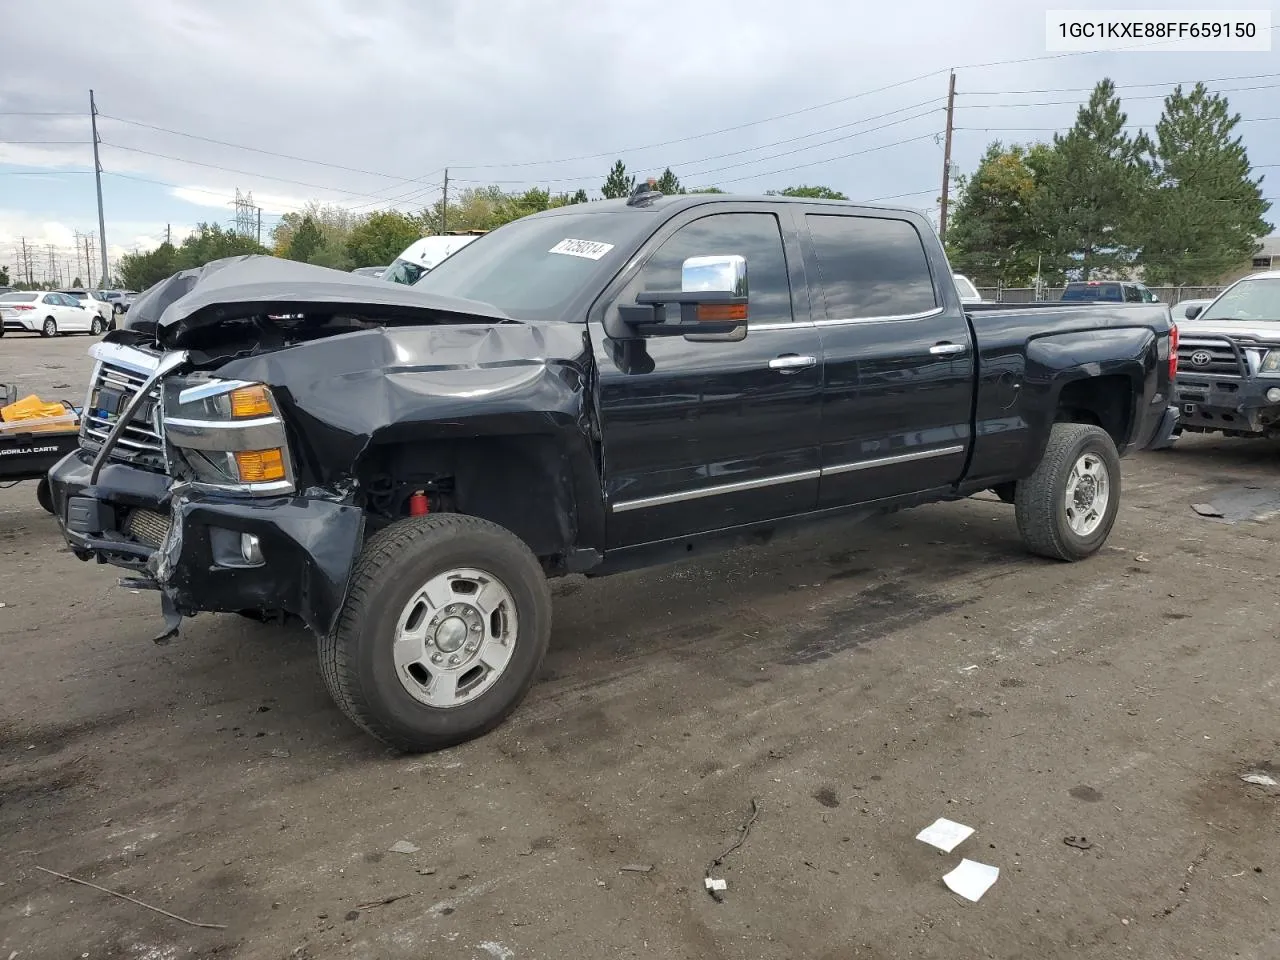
(444, 205)
(946, 157)
(26, 262)
(88, 260)
(168, 233)
(97, 173)
(259, 226)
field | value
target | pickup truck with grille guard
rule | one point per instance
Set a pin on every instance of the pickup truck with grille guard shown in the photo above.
(1229, 361)
(589, 389)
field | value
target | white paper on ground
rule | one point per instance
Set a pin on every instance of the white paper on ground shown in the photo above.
(945, 834)
(971, 879)
(714, 884)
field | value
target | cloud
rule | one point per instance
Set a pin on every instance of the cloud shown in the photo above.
(373, 100)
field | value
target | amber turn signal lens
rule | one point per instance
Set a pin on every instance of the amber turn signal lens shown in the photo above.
(260, 466)
(250, 402)
(721, 311)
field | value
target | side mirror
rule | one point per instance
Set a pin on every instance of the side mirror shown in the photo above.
(1193, 311)
(711, 303)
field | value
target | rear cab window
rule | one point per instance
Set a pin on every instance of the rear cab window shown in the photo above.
(1091, 290)
(870, 267)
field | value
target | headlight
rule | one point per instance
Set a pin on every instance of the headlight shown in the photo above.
(228, 434)
(1270, 364)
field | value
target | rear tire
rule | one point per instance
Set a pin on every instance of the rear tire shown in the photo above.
(1065, 510)
(50, 327)
(378, 682)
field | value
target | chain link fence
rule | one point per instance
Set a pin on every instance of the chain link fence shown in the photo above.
(1169, 295)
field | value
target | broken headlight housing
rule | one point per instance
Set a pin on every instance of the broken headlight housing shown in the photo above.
(1270, 366)
(228, 434)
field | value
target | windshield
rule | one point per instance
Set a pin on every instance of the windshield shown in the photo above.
(404, 271)
(18, 297)
(1093, 291)
(531, 268)
(1247, 300)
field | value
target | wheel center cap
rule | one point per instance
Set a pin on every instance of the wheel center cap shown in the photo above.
(451, 634)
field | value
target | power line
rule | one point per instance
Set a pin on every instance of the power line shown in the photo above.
(844, 156)
(269, 153)
(38, 113)
(1127, 126)
(1077, 102)
(246, 173)
(733, 166)
(1120, 86)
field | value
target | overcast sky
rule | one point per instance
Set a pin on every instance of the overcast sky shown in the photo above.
(376, 98)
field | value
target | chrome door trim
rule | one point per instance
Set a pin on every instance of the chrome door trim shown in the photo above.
(894, 459)
(699, 492)
(684, 495)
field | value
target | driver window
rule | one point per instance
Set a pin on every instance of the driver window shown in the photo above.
(755, 236)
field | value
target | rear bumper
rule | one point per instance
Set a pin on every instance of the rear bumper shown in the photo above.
(188, 545)
(1232, 406)
(1167, 430)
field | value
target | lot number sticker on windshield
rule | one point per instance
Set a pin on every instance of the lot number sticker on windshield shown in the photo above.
(590, 249)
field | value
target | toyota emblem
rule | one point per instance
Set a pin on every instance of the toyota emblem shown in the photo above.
(1201, 358)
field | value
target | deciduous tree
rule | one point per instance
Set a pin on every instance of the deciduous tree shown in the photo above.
(992, 234)
(381, 237)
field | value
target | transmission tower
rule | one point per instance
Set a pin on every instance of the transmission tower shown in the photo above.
(246, 215)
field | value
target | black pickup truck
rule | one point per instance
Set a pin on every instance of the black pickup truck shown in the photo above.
(590, 389)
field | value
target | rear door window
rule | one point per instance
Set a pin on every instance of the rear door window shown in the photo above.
(870, 267)
(1132, 294)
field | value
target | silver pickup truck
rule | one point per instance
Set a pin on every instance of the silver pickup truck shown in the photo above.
(1228, 377)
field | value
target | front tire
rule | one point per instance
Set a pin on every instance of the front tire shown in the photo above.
(1065, 510)
(50, 327)
(446, 623)
(95, 328)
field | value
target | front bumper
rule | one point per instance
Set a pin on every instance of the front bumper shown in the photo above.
(187, 544)
(1230, 405)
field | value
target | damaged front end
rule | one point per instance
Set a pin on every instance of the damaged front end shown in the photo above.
(187, 479)
(256, 419)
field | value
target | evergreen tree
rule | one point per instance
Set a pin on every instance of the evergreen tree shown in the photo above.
(306, 242)
(1204, 213)
(618, 183)
(1092, 189)
(669, 183)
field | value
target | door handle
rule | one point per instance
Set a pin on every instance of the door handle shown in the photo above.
(946, 349)
(791, 363)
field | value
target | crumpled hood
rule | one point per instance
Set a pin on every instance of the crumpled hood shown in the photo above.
(1267, 331)
(238, 287)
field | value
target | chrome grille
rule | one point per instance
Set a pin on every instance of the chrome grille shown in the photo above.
(113, 388)
(1216, 357)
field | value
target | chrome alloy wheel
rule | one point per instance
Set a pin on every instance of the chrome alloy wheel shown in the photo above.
(1088, 492)
(455, 637)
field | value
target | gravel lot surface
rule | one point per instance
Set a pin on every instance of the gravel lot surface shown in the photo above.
(854, 682)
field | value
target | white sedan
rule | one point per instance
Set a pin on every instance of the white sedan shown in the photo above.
(94, 300)
(48, 314)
